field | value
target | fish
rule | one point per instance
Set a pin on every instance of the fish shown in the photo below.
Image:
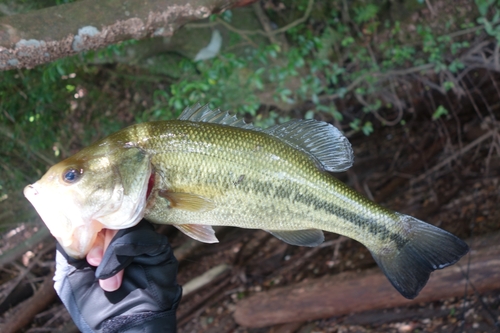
(209, 168)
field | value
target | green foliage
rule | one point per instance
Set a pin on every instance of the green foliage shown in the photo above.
(314, 65)
(483, 6)
(365, 13)
(440, 112)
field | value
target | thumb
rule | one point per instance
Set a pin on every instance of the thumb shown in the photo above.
(130, 244)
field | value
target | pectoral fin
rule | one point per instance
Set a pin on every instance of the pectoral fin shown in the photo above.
(187, 201)
(135, 159)
(202, 233)
(309, 237)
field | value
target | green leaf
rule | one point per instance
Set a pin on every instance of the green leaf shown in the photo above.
(367, 128)
(440, 111)
(309, 114)
(483, 6)
(347, 41)
(448, 85)
(355, 124)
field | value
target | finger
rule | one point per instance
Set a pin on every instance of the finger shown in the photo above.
(113, 283)
(94, 257)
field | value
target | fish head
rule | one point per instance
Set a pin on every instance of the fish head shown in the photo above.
(96, 188)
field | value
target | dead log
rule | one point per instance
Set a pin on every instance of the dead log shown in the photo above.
(37, 37)
(352, 292)
(23, 313)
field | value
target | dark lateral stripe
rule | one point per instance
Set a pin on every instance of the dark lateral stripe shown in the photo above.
(285, 192)
(370, 225)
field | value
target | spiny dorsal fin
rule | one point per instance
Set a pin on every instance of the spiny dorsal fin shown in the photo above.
(320, 140)
(204, 114)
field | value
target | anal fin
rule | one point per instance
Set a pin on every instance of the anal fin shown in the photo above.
(202, 233)
(309, 237)
(187, 201)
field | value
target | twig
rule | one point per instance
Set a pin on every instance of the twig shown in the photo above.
(6, 132)
(299, 21)
(11, 255)
(201, 304)
(455, 155)
(367, 191)
(464, 31)
(431, 9)
(387, 74)
(496, 56)
(29, 308)
(397, 182)
(23, 274)
(262, 32)
(204, 279)
(264, 21)
(200, 25)
(239, 32)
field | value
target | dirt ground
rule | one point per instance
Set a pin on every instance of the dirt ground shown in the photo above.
(445, 171)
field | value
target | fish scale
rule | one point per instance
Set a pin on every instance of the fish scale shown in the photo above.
(209, 168)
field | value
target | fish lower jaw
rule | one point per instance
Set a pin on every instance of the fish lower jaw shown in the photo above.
(82, 239)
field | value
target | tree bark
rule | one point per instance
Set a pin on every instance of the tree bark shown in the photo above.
(356, 292)
(41, 36)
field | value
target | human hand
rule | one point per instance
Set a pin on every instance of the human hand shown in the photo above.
(147, 295)
(96, 254)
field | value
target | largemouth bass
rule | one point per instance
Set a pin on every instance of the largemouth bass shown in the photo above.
(208, 168)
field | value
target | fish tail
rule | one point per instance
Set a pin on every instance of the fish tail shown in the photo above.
(423, 249)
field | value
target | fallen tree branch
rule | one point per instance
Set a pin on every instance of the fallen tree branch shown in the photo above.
(396, 182)
(446, 161)
(37, 37)
(14, 253)
(356, 292)
(29, 308)
(204, 279)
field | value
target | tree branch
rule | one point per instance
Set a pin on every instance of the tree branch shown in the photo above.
(37, 37)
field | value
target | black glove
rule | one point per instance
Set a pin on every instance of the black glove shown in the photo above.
(149, 294)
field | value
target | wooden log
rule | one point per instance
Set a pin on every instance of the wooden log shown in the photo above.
(351, 292)
(23, 313)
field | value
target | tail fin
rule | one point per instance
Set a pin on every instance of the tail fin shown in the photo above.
(426, 248)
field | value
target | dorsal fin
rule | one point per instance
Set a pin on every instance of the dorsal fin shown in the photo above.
(204, 114)
(323, 142)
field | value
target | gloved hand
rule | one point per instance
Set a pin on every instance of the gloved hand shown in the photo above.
(149, 293)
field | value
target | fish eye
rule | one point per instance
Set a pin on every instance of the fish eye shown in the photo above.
(71, 175)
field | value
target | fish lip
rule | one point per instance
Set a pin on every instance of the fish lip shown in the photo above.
(30, 191)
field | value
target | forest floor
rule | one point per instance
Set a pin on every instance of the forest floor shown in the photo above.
(444, 171)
